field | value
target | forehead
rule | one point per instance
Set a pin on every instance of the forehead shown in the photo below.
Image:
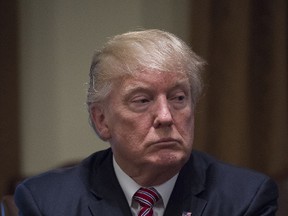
(153, 79)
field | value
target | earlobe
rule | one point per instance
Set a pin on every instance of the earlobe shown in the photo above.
(99, 121)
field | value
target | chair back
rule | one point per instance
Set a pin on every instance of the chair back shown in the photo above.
(8, 206)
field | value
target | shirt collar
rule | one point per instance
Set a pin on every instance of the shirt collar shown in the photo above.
(129, 186)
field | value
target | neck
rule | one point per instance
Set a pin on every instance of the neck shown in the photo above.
(152, 175)
(153, 180)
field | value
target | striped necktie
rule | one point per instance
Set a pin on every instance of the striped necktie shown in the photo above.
(146, 197)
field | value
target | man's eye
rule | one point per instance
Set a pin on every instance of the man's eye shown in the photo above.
(139, 104)
(179, 101)
(179, 98)
(141, 101)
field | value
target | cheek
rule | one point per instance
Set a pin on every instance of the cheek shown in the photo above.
(131, 129)
(186, 125)
(128, 139)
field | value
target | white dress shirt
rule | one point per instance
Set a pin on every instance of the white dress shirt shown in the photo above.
(129, 186)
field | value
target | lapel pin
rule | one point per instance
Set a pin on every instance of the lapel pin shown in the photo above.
(187, 214)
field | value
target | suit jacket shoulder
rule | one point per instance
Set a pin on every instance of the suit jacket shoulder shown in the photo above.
(206, 186)
(90, 188)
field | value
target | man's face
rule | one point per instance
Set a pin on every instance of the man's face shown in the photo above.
(149, 120)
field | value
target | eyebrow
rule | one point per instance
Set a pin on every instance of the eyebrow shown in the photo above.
(134, 87)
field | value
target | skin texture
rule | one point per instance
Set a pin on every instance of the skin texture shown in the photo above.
(149, 121)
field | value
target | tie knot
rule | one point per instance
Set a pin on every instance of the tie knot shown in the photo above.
(147, 197)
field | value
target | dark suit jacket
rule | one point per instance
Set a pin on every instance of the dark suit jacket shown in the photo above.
(204, 187)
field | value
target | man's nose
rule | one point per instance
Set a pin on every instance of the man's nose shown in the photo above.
(163, 116)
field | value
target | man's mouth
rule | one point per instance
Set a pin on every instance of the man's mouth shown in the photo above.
(165, 142)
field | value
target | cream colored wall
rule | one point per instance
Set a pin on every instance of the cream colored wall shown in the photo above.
(57, 40)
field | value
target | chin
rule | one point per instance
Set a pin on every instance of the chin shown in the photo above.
(171, 159)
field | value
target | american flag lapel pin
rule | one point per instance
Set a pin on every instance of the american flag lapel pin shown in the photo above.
(187, 214)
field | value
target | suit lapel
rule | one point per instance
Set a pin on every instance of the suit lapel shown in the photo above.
(107, 195)
(189, 185)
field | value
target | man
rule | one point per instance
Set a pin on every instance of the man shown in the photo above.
(142, 96)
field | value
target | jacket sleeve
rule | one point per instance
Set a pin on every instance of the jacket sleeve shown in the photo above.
(25, 202)
(264, 203)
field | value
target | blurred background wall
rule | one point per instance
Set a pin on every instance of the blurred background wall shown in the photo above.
(47, 46)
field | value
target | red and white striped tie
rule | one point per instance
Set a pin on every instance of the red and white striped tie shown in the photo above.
(146, 197)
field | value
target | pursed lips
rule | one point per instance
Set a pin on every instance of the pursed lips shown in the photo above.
(166, 142)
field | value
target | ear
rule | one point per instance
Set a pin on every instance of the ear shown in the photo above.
(99, 120)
